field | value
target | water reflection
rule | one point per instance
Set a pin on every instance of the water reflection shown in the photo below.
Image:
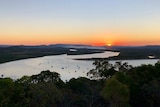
(63, 64)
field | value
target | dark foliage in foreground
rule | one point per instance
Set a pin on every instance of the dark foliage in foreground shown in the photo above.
(118, 85)
(48, 90)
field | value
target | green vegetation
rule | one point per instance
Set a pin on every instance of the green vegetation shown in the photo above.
(48, 90)
(118, 85)
(116, 93)
(127, 86)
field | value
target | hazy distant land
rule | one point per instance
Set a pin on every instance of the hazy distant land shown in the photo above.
(11, 53)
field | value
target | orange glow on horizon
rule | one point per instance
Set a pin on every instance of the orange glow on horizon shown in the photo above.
(109, 44)
(98, 38)
(124, 43)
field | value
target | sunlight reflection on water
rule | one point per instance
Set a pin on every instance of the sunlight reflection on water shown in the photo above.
(63, 64)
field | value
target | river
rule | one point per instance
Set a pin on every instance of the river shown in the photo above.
(65, 65)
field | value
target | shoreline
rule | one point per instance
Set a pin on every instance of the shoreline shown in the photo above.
(83, 59)
(125, 53)
(93, 59)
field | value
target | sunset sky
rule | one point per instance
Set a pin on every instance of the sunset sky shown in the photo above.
(93, 22)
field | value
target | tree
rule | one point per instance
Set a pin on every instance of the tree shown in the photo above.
(84, 93)
(44, 95)
(6, 91)
(122, 67)
(151, 93)
(116, 93)
(46, 76)
(103, 69)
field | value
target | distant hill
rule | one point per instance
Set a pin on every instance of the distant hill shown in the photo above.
(68, 46)
(76, 46)
(5, 45)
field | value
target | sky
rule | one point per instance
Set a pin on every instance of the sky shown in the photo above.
(91, 22)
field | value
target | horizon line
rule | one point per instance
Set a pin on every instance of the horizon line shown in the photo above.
(76, 45)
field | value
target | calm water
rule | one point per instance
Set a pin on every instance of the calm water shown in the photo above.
(65, 65)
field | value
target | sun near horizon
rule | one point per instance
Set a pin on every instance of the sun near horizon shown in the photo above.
(109, 44)
(39, 22)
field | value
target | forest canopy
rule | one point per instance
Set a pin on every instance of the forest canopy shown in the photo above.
(110, 85)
